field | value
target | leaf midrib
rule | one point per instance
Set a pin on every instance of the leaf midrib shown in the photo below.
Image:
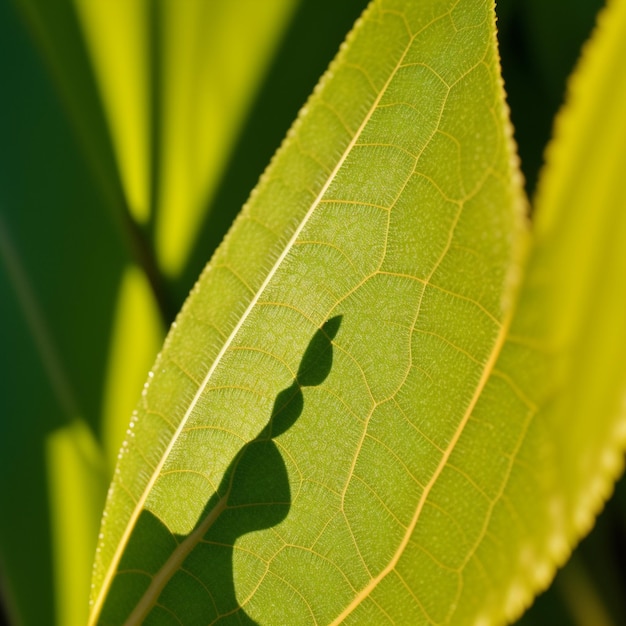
(108, 578)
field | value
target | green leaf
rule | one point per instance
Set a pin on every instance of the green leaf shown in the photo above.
(187, 72)
(306, 448)
(136, 332)
(121, 66)
(213, 57)
(103, 333)
(61, 262)
(566, 349)
(158, 93)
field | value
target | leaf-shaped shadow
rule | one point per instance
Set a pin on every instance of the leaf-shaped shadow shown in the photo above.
(253, 495)
(256, 484)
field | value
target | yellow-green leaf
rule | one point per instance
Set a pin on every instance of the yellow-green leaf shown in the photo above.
(213, 57)
(297, 454)
(60, 262)
(566, 355)
(117, 38)
(159, 92)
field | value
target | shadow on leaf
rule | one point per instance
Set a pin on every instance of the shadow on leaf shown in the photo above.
(253, 495)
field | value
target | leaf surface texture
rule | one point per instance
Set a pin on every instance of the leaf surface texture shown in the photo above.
(307, 448)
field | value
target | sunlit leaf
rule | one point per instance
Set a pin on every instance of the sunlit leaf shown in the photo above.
(357, 417)
(297, 455)
(135, 337)
(77, 485)
(61, 259)
(117, 38)
(213, 57)
(566, 352)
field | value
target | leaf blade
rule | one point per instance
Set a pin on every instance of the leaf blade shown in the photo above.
(563, 360)
(568, 330)
(212, 59)
(335, 177)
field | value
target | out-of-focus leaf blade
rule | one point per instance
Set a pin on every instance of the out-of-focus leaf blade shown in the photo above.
(323, 373)
(213, 56)
(117, 37)
(175, 81)
(136, 334)
(77, 485)
(565, 358)
(61, 258)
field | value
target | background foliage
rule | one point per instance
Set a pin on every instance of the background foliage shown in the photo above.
(86, 296)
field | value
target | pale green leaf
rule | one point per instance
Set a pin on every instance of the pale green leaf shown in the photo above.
(306, 449)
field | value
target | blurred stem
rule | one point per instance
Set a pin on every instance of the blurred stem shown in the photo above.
(144, 255)
(35, 319)
(581, 596)
(56, 32)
